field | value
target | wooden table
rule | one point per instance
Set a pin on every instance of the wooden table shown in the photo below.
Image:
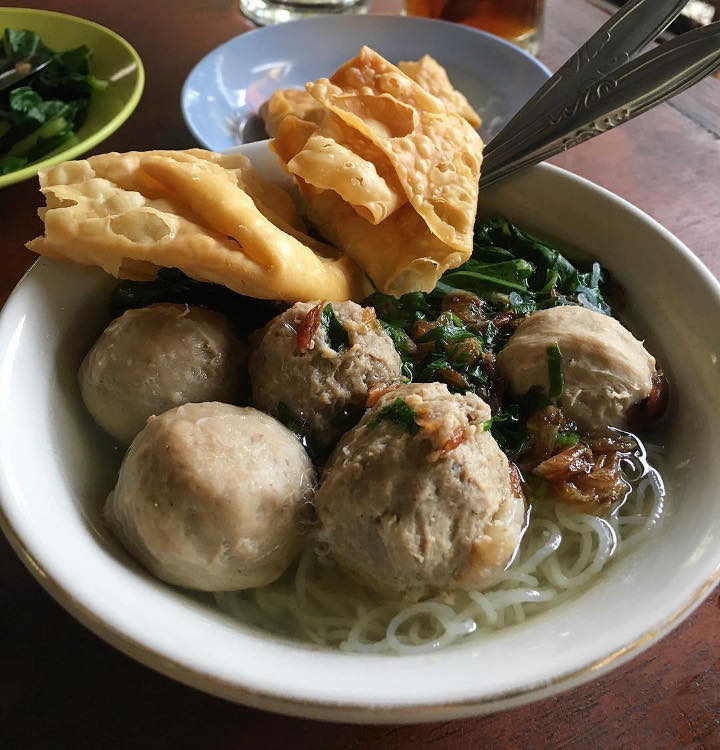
(61, 687)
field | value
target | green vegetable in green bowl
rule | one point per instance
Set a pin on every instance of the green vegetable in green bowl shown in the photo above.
(40, 114)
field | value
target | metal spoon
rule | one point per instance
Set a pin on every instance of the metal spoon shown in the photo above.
(19, 70)
(630, 29)
(601, 96)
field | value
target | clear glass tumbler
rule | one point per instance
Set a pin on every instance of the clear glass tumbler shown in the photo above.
(519, 21)
(266, 12)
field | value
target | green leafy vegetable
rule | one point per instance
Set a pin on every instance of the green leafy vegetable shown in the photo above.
(474, 281)
(437, 369)
(172, 285)
(546, 277)
(510, 275)
(555, 373)
(23, 43)
(41, 113)
(508, 429)
(337, 335)
(401, 311)
(447, 331)
(404, 345)
(399, 413)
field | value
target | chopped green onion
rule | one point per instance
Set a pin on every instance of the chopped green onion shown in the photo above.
(567, 439)
(555, 373)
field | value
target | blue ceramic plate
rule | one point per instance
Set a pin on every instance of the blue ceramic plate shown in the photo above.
(222, 94)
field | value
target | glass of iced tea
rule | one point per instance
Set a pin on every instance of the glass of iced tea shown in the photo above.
(520, 21)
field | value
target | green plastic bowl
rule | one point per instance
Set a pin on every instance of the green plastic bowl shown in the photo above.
(113, 59)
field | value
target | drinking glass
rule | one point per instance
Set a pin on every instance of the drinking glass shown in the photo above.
(520, 21)
(265, 12)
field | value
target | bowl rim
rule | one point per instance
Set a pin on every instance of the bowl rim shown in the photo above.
(106, 130)
(338, 19)
(352, 712)
(361, 710)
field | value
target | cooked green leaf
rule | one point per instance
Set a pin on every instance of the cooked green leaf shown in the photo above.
(480, 282)
(399, 413)
(516, 270)
(508, 429)
(453, 330)
(336, 333)
(23, 43)
(510, 270)
(40, 114)
(404, 346)
(172, 285)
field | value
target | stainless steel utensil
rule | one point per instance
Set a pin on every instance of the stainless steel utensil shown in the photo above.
(629, 30)
(14, 71)
(596, 90)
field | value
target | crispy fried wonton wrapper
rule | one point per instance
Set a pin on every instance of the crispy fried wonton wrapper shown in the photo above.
(207, 214)
(434, 78)
(426, 71)
(284, 102)
(405, 164)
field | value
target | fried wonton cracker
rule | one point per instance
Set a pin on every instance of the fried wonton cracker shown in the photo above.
(284, 102)
(426, 161)
(426, 71)
(335, 157)
(132, 213)
(434, 78)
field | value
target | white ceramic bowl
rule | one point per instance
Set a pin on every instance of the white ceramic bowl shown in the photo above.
(55, 469)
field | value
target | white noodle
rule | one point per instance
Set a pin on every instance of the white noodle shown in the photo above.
(562, 551)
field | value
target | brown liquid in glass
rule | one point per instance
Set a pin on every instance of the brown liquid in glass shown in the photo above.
(511, 19)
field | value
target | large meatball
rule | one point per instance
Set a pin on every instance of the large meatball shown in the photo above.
(606, 370)
(299, 363)
(152, 359)
(412, 515)
(210, 496)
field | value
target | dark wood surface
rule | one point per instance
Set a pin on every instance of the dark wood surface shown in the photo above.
(60, 686)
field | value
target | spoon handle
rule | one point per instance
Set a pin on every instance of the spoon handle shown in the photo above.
(625, 93)
(635, 25)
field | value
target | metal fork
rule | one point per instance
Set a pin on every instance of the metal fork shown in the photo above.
(600, 86)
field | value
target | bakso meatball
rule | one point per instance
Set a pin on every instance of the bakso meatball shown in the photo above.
(606, 370)
(154, 358)
(211, 496)
(316, 366)
(418, 498)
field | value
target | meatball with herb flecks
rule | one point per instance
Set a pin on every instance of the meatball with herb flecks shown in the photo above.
(605, 369)
(418, 499)
(314, 365)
